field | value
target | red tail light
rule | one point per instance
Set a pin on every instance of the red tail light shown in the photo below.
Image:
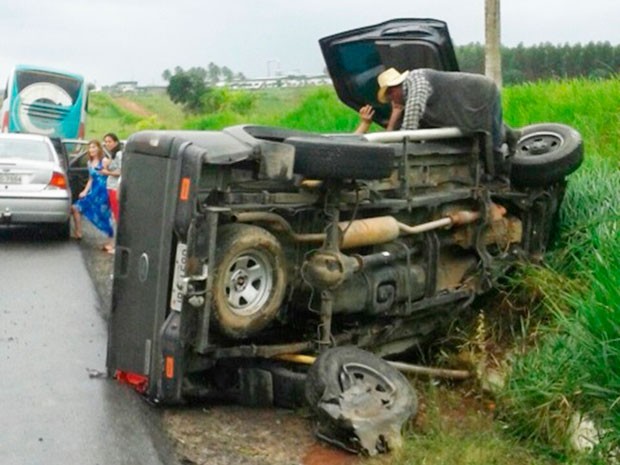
(81, 131)
(58, 181)
(139, 382)
(5, 122)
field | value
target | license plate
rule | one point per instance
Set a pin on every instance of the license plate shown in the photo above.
(8, 178)
(180, 265)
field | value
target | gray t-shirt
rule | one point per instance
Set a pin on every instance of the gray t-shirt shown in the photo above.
(115, 165)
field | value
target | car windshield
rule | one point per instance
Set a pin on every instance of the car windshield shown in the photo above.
(25, 149)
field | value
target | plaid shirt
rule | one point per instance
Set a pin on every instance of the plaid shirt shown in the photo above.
(417, 90)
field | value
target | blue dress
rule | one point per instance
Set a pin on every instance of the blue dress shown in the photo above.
(95, 205)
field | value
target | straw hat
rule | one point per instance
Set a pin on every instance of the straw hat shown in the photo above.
(389, 78)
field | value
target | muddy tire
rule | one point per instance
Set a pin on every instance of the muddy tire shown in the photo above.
(546, 154)
(321, 158)
(249, 280)
(360, 401)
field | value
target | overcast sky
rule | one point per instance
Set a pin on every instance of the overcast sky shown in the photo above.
(121, 40)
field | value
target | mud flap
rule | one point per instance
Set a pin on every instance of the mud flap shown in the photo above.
(173, 361)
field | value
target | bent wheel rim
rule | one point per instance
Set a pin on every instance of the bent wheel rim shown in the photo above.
(370, 391)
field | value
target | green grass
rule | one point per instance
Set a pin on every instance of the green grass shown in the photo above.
(574, 368)
(106, 114)
(566, 357)
(311, 109)
(457, 427)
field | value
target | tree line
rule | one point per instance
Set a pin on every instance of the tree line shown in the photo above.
(595, 60)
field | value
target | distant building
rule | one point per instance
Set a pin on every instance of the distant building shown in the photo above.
(153, 89)
(124, 86)
(275, 82)
(245, 84)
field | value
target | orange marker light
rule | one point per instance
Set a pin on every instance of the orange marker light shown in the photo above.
(169, 367)
(185, 184)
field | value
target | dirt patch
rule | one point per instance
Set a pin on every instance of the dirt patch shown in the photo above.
(223, 435)
(132, 107)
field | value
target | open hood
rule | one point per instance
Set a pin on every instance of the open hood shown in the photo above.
(355, 58)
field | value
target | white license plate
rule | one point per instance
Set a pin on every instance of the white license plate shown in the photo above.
(8, 178)
(180, 265)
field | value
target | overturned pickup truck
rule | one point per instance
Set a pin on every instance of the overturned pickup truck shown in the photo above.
(243, 251)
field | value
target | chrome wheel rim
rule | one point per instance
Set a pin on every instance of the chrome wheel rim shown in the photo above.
(248, 283)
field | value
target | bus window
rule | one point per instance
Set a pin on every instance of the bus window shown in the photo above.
(46, 102)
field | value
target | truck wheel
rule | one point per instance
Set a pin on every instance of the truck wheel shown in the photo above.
(360, 401)
(249, 280)
(321, 158)
(546, 153)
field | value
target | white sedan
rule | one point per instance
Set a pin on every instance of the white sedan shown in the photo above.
(34, 188)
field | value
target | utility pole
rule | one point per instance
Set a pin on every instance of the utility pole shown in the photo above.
(492, 52)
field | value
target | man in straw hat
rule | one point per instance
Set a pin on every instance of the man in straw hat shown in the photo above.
(427, 98)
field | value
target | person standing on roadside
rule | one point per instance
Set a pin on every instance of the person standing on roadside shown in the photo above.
(93, 201)
(113, 172)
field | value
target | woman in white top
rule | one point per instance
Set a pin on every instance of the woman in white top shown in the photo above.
(113, 171)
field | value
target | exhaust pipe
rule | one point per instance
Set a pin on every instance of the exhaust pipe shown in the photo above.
(368, 231)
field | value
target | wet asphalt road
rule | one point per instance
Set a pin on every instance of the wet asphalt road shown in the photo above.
(57, 406)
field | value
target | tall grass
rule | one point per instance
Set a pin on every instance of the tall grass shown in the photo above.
(575, 366)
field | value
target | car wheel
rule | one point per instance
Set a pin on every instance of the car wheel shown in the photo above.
(546, 154)
(249, 280)
(361, 402)
(319, 158)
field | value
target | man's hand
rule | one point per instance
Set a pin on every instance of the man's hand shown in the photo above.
(396, 116)
(397, 107)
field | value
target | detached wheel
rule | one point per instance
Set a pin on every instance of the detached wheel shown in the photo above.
(249, 280)
(360, 401)
(546, 154)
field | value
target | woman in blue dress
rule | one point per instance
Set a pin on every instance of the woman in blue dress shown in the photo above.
(93, 201)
